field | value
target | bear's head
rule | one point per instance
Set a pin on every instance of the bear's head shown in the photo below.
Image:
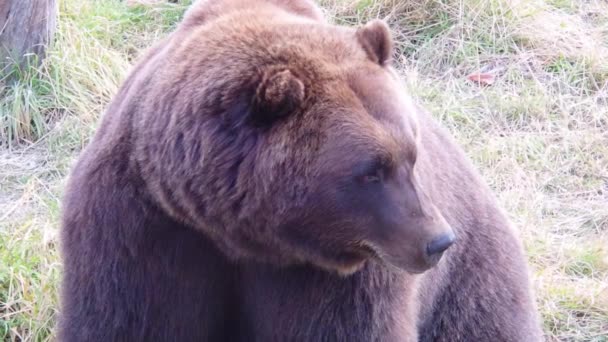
(289, 141)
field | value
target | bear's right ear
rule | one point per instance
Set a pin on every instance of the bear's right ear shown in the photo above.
(278, 95)
(375, 38)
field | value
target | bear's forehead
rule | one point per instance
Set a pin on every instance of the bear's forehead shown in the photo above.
(382, 95)
(386, 104)
(283, 40)
(368, 115)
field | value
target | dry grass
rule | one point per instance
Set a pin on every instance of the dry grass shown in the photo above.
(539, 134)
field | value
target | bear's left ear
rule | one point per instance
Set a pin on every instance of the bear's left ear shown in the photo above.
(279, 94)
(375, 38)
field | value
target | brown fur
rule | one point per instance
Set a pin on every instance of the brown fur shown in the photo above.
(262, 176)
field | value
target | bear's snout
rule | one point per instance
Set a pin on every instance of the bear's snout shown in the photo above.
(440, 244)
(435, 248)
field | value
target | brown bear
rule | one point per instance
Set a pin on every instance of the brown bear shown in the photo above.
(262, 176)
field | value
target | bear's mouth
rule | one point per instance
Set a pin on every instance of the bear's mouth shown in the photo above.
(360, 253)
(369, 252)
(374, 253)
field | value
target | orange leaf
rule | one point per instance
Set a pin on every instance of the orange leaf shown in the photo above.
(482, 78)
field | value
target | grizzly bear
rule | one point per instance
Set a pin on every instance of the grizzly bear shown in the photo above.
(262, 175)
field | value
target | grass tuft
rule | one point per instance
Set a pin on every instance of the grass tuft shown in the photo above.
(93, 49)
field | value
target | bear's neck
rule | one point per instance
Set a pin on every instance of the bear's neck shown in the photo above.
(345, 305)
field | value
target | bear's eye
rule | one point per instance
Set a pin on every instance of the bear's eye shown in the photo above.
(372, 171)
(375, 177)
(375, 174)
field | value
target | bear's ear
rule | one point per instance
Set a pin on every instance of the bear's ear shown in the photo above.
(279, 94)
(375, 37)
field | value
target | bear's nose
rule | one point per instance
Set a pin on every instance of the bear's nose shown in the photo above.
(440, 244)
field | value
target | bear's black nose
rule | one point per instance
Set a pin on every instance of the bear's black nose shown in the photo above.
(440, 244)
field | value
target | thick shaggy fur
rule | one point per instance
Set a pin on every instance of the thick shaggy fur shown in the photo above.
(217, 200)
